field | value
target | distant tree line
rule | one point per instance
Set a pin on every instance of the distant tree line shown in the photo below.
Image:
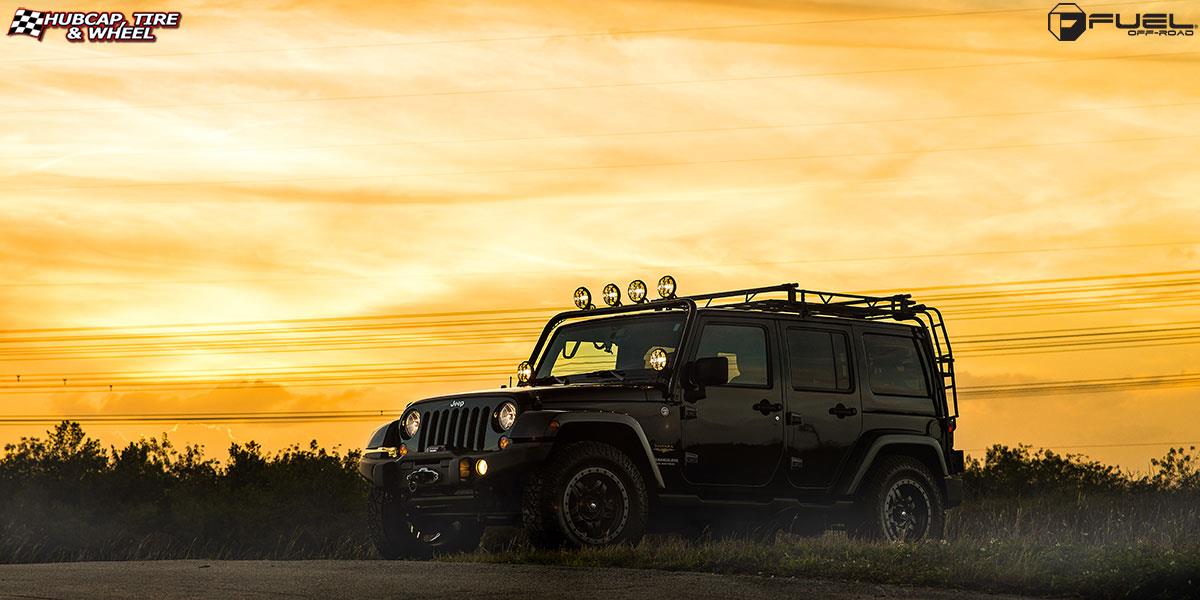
(67, 497)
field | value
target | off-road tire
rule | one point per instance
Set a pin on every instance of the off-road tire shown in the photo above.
(552, 515)
(395, 538)
(899, 490)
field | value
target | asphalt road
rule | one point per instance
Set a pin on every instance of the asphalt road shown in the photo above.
(196, 579)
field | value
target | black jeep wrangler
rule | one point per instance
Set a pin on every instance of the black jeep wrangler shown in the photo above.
(747, 411)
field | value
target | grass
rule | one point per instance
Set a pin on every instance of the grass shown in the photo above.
(1087, 570)
(1033, 522)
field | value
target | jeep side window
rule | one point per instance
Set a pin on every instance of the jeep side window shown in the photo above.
(895, 366)
(746, 348)
(818, 360)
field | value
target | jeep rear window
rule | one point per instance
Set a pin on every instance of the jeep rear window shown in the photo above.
(614, 348)
(894, 366)
(818, 360)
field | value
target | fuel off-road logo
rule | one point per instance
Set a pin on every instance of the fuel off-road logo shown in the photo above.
(1067, 21)
(112, 26)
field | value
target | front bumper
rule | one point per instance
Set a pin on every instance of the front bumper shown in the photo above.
(495, 494)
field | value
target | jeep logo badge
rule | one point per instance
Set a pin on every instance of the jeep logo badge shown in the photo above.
(457, 403)
(1067, 21)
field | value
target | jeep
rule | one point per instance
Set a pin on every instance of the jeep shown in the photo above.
(745, 412)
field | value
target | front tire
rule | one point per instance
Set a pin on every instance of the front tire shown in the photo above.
(396, 537)
(587, 494)
(900, 502)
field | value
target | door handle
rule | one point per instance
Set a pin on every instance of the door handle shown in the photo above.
(841, 411)
(767, 408)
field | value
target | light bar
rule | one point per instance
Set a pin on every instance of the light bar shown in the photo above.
(583, 298)
(637, 291)
(611, 295)
(666, 287)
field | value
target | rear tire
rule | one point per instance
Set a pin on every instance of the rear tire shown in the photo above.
(587, 494)
(395, 536)
(899, 502)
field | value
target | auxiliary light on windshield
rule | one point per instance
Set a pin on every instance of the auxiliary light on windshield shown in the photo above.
(524, 372)
(658, 359)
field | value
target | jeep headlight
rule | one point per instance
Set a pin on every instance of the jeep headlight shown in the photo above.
(506, 415)
(412, 423)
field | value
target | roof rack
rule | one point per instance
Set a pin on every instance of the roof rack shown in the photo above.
(897, 307)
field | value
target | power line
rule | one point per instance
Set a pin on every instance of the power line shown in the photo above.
(394, 316)
(1082, 446)
(248, 417)
(595, 86)
(1128, 333)
(609, 269)
(955, 286)
(1084, 386)
(958, 339)
(1128, 346)
(482, 331)
(475, 333)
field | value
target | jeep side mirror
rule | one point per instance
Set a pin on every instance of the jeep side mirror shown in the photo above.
(703, 372)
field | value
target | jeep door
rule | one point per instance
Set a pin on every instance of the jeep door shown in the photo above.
(823, 408)
(734, 435)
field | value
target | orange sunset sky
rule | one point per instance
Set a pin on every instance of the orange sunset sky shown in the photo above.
(273, 207)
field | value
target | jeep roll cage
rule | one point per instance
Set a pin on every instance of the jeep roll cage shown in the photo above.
(806, 303)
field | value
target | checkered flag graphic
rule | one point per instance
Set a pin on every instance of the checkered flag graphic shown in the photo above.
(28, 22)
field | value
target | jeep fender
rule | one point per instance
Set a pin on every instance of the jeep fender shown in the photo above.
(534, 426)
(924, 445)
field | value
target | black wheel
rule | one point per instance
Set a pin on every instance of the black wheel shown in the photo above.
(396, 537)
(587, 494)
(899, 502)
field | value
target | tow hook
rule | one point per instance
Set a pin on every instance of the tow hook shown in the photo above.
(422, 476)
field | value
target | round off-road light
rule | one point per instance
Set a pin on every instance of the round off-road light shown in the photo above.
(481, 467)
(583, 298)
(658, 359)
(506, 415)
(666, 287)
(412, 423)
(637, 291)
(611, 295)
(524, 372)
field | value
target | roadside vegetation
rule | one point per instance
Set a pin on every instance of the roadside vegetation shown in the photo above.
(1034, 521)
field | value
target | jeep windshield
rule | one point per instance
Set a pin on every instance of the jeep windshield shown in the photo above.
(610, 349)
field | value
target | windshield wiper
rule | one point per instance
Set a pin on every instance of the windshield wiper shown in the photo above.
(605, 374)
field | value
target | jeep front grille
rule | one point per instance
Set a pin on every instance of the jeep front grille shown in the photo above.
(457, 428)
